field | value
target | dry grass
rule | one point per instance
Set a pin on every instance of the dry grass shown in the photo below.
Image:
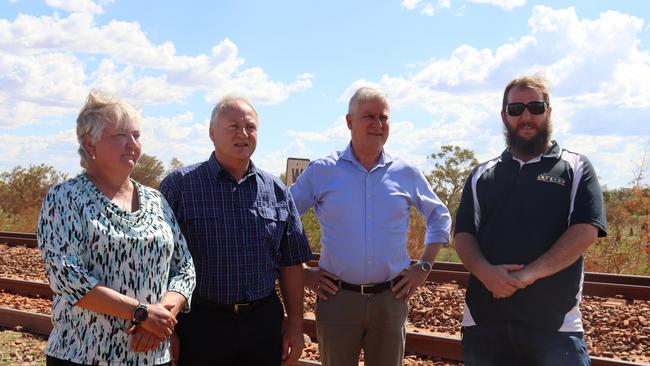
(21, 349)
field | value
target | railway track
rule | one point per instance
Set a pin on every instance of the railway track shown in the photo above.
(432, 345)
(14, 238)
(595, 284)
(447, 347)
(420, 343)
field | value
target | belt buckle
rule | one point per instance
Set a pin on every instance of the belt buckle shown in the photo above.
(237, 307)
(363, 289)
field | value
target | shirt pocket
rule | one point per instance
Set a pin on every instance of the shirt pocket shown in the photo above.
(274, 219)
(202, 229)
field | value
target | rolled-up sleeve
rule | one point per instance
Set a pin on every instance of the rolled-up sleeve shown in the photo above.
(60, 234)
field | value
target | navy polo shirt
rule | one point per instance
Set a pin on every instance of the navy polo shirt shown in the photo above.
(517, 211)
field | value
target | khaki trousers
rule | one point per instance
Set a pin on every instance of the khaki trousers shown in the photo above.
(349, 321)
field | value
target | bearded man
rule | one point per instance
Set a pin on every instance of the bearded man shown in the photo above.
(524, 222)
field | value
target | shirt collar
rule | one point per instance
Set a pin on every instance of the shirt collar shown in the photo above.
(218, 171)
(553, 152)
(384, 159)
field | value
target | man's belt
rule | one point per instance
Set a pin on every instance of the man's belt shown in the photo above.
(371, 289)
(238, 308)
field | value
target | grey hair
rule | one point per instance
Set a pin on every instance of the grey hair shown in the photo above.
(227, 101)
(365, 94)
(94, 115)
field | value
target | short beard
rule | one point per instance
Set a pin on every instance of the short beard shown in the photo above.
(533, 147)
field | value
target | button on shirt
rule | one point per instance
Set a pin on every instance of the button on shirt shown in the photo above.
(364, 214)
(239, 233)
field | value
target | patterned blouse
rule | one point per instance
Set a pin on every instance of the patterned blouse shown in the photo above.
(87, 240)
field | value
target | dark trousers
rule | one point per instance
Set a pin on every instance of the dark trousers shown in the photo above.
(512, 344)
(51, 361)
(212, 336)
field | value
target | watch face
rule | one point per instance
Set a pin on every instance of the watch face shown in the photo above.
(426, 266)
(140, 313)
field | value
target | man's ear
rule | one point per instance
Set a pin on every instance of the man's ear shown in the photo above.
(211, 131)
(348, 119)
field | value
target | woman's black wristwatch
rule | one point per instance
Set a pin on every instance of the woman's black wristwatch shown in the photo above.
(140, 314)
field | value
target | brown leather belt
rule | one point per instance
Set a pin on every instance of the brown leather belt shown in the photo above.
(371, 289)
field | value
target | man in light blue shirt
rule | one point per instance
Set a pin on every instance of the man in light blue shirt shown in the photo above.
(362, 196)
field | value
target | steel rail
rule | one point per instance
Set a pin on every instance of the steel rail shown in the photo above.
(26, 288)
(15, 238)
(450, 348)
(595, 284)
(419, 343)
(29, 240)
(41, 324)
(27, 320)
(630, 292)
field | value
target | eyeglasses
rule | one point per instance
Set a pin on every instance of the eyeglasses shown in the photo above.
(516, 109)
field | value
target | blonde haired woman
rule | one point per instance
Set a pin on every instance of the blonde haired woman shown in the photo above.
(114, 254)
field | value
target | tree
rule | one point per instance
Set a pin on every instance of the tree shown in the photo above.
(452, 167)
(21, 194)
(22, 188)
(148, 171)
(174, 164)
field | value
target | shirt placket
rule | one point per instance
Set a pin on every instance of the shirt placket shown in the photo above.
(369, 228)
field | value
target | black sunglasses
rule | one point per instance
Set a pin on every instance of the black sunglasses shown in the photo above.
(516, 109)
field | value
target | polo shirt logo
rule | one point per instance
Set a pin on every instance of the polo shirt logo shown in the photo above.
(544, 177)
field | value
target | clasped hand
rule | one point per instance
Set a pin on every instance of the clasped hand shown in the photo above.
(159, 325)
(503, 280)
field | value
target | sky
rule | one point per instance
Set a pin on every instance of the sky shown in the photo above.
(443, 64)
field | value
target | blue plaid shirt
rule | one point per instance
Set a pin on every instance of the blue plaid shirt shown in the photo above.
(239, 234)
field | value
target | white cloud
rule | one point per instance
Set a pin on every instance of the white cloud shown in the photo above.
(600, 91)
(45, 71)
(428, 9)
(410, 4)
(58, 150)
(339, 132)
(503, 4)
(38, 85)
(599, 58)
(255, 84)
(275, 162)
(76, 6)
(444, 4)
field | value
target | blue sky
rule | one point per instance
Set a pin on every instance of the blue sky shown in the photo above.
(444, 64)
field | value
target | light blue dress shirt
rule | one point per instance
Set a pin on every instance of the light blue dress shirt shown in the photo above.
(364, 214)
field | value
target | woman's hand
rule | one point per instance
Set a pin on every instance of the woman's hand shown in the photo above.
(161, 321)
(142, 340)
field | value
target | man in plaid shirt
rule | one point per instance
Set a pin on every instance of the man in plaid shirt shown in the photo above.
(244, 231)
